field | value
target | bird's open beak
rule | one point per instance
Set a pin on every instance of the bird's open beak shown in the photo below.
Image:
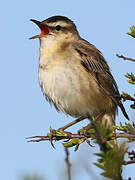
(44, 29)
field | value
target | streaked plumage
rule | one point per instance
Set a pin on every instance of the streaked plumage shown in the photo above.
(73, 73)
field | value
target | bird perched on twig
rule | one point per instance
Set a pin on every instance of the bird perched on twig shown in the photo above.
(73, 74)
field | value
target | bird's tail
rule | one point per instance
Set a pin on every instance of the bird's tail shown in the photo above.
(123, 110)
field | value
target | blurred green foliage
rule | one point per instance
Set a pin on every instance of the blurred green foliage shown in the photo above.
(32, 177)
(111, 161)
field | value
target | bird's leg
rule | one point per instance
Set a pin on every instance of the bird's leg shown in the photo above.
(72, 123)
(60, 132)
(85, 129)
(90, 125)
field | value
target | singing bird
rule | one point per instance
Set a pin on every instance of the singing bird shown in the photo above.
(73, 74)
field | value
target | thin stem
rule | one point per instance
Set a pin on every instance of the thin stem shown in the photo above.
(130, 98)
(47, 138)
(79, 136)
(124, 135)
(125, 58)
(68, 163)
(130, 162)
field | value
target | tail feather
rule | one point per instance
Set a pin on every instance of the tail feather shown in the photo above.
(123, 110)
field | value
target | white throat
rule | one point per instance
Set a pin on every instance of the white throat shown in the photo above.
(47, 49)
(50, 47)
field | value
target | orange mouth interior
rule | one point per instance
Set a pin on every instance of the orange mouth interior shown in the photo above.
(44, 29)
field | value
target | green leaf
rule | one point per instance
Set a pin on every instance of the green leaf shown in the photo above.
(132, 33)
(74, 142)
(132, 106)
(71, 143)
(131, 78)
(99, 165)
(131, 81)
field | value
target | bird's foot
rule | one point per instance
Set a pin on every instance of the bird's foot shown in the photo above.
(69, 138)
(58, 135)
(52, 135)
(87, 130)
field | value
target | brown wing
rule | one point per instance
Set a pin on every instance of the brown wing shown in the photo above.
(93, 61)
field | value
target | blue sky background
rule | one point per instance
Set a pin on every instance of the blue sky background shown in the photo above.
(24, 111)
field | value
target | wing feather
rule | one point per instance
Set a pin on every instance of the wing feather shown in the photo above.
(93, 61)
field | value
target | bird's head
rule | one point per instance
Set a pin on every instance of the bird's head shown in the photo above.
(56, 26)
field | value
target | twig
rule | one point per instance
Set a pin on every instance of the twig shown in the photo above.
(46, 138)
(124, 135)
(130, 162)
(68, 163)
(130, 98)
(79, 136)
(125, 58)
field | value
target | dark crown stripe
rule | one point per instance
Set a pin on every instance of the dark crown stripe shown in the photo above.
(57, 18)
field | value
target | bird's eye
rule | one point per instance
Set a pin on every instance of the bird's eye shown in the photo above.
(58, 27)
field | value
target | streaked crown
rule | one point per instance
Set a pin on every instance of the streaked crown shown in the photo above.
(59, 23)
(55, 19)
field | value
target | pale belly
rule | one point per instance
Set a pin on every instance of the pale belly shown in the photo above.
(72, 91)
